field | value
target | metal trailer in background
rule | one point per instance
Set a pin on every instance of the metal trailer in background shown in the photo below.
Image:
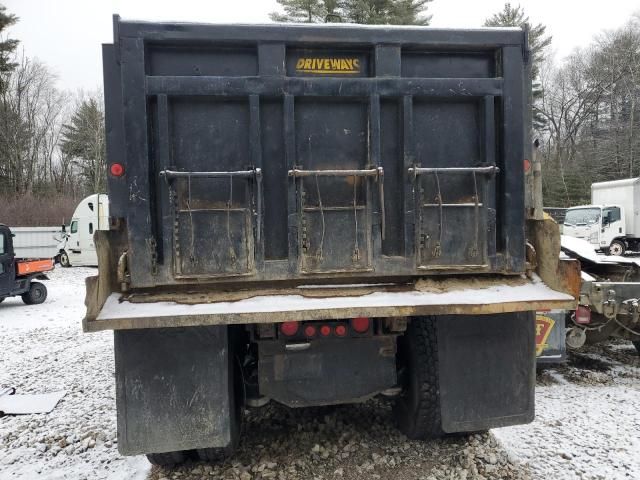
(609, 302)
(36, 242)
(315, 215)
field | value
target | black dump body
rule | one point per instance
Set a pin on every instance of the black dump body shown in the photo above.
(307, 153)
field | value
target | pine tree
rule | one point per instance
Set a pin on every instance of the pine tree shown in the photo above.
(302, 11)
(538, 42)
(83, 139)
(389, 12)
(7, 45)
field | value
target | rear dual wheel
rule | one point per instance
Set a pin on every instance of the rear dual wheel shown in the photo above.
(417, 409)
(167, 459)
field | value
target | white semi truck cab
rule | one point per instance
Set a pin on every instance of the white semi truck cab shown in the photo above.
(603, 226)
(76, 247)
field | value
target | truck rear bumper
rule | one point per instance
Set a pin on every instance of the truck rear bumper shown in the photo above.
(504, 295)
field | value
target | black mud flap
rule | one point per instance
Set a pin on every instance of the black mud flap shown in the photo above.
(487, 370)
(173, 389)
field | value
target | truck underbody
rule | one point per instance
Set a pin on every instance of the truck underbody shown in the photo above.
(457, 352)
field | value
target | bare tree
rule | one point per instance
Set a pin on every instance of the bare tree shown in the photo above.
(30, 112)
(591, 103)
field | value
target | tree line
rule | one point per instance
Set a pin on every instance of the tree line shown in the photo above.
(590, 104)
(52, 142)
(390, 12)
(585, 107)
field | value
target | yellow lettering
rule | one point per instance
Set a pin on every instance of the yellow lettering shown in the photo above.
(335, 64)
(349, 64)
(307, 64)
(539, 329)
(300, 64)
(356, 64)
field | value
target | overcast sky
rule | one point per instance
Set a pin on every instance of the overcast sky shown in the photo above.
(67, 34)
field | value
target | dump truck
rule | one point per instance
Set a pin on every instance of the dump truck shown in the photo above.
(319, 215)
(18, 275)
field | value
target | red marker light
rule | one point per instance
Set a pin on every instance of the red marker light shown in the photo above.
(310, 331)
(325, 330)
(289, 328)
(583, 315)
(116, 169)
(341, 330)
(360, 324)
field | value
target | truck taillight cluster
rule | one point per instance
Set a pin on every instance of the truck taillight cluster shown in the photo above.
(360, 325)
(583, 315)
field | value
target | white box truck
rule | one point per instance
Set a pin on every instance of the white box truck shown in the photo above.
(611, 222)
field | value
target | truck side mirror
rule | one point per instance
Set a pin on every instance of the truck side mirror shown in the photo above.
(64, 229)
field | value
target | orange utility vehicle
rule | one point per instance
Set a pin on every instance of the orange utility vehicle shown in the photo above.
(18, 275)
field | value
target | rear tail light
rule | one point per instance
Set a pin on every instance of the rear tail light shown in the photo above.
(341, 330)
(116, 169)
(310, 331)
(289, 328)
(583, 315)
(325, 330)
(360, 324)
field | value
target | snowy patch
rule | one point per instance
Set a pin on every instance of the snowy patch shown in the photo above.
(587, 430)
(586, 251)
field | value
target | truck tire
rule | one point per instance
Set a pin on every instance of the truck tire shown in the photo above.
(37, 294)
(64, 259)
(617, 248)
(417, 409)
(167, 459)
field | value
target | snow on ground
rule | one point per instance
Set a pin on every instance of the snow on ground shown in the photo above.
(43, 349)
(587, 418)
(587, 424)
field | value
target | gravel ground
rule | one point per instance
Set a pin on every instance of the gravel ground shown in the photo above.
(587, 425)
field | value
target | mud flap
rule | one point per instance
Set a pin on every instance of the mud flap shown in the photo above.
(173, 389)
(487, 370)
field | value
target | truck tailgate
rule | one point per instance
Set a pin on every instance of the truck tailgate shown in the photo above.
(512, 295)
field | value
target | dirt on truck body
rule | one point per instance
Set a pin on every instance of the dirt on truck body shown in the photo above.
(317, 215)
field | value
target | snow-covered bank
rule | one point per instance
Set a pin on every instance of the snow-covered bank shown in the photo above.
(587, 426)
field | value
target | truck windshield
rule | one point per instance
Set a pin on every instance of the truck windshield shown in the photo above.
(582, 216)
